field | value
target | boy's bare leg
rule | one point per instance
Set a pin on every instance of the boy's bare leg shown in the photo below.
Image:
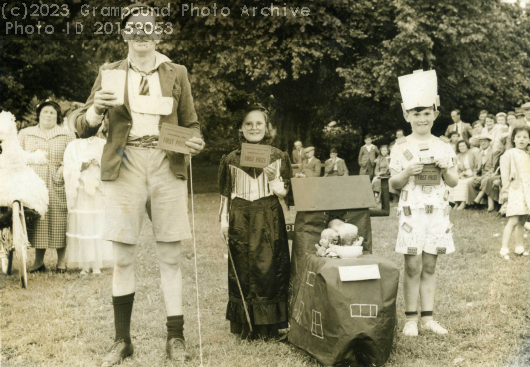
(411, 281)
(428, 281)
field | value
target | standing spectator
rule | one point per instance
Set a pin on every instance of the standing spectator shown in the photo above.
(367, 157)
(462, 128)
(311, 167)
(394, 194)
(50, 136)
(515, 170)
(298, 152)
(382, 169)
(399, 134)
(468, 165)
(335, 166)
(454, 138)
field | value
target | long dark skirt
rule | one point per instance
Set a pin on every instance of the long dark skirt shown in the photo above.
(259, 246)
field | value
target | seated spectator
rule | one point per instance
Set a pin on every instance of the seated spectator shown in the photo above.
(311, 166)
(500, 119)
(474, 144)
(494, 131)
(491, 188)
(454, 138)
(298, 152)
(381, 170)
(468, 165)
(477, 129)
(481, 117)
(390, 146)
(335, 166)
(526, 111)
(488, 164)
(513, 122)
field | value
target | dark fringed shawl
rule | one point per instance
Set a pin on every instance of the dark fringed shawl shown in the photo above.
(233, 159)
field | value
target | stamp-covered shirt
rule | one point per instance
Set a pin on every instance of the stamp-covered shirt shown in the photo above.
(409, 150)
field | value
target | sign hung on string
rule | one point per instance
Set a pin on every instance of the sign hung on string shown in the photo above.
(255, 155)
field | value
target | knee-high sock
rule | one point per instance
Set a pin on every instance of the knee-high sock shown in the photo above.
(122, 316)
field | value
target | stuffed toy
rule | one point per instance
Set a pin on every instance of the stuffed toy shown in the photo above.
(17, 180)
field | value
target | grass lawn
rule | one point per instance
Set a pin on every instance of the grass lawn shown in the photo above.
(67, 320)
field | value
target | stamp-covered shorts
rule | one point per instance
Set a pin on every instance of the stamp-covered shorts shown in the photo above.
(146, 183)
(424, 232)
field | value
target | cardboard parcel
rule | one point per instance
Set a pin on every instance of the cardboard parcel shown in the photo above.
(338, 321)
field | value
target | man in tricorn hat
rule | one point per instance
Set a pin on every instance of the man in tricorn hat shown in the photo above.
(140, 177)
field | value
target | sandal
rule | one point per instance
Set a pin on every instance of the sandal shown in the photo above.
(519, 251)
(504, 253)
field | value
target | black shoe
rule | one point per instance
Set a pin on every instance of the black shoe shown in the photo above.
(176, 350)
(40, 269)
(117, 353)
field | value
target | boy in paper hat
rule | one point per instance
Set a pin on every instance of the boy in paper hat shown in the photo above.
(423, 167)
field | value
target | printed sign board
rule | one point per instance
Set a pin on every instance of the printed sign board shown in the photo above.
(255, 155)
(431, 175)
(173, 138)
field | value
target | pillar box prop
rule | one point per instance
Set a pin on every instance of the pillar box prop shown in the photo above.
(342, 310)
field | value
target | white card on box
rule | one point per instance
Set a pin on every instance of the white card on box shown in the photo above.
(114, 80)
(152, 105)
(359, 272)
(173, 138)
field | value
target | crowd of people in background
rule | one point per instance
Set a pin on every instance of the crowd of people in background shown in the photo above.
(479, 147)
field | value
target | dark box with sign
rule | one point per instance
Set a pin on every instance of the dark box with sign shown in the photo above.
(339, 321)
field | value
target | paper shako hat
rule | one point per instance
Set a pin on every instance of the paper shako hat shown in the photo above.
(419, 89)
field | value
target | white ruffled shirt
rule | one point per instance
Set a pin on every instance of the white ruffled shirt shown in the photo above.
(143, 124)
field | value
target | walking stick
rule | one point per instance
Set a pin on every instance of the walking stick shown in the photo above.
(195, 253)
(239, 286)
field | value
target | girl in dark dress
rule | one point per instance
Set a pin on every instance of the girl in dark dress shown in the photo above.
(252, 222)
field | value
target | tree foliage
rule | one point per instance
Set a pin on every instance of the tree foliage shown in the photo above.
(340, 63)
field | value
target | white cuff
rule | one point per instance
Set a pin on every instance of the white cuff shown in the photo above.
(92, 117)
(276, 184)
(224, 221)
